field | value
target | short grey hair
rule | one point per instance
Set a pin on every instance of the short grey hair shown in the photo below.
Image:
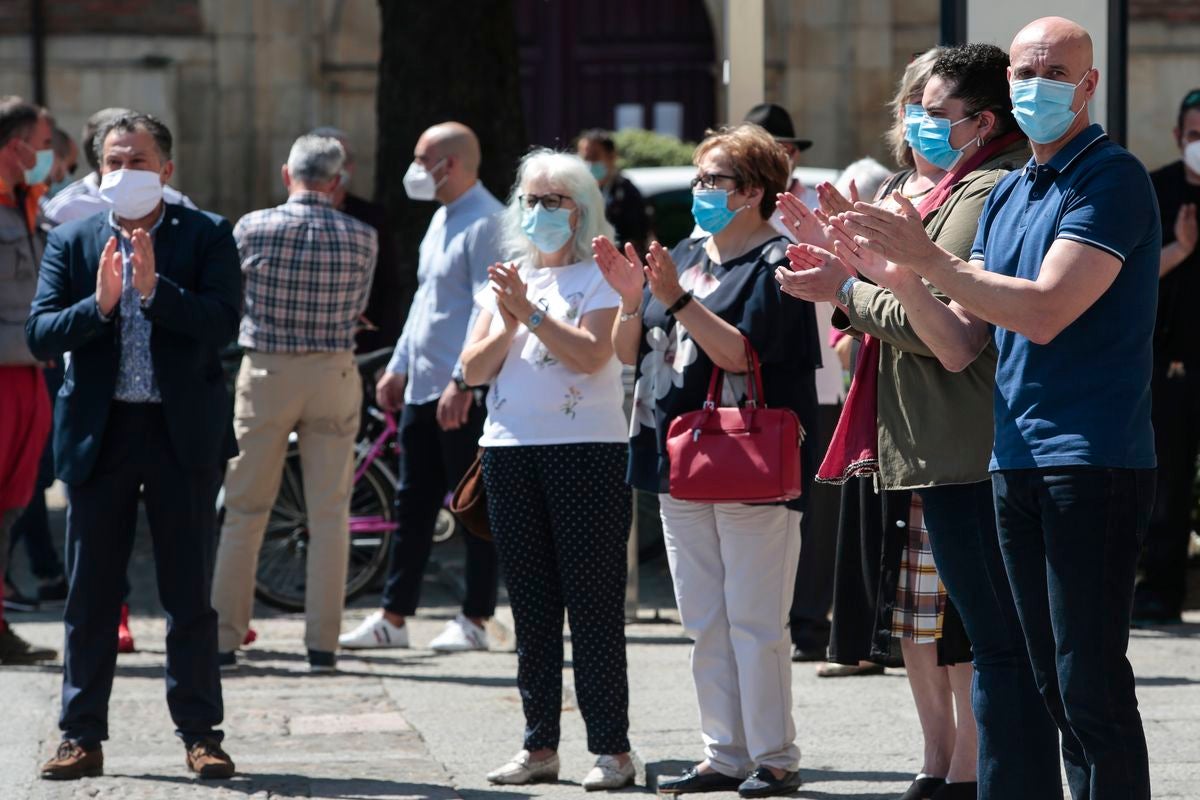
(315, 159)
(331, 132)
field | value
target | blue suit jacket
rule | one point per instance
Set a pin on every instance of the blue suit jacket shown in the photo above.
(194, 313)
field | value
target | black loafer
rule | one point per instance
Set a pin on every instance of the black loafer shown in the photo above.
(923, 788)
(763, 783)
(694, 782)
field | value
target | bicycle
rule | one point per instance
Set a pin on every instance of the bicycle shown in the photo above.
(281, 576)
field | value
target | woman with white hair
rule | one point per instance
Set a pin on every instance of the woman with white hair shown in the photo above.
(553, 463)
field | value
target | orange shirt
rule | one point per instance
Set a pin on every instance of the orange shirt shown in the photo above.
(33, 196)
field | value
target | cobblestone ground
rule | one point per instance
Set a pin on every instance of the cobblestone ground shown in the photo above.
(408, 723)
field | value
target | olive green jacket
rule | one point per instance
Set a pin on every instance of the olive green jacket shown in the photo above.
(935, 426)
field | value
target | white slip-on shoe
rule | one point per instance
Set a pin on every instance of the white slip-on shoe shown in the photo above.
(522, 769)
(460, 634)
(375, 632)
(610, 773)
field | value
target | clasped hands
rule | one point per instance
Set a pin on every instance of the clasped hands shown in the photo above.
(886, 243)
(110, 274)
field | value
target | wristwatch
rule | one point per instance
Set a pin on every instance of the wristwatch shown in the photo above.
(535, 319)
(843, 292)
(460, 384)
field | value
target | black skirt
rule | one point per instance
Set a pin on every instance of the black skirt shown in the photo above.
(872, 532)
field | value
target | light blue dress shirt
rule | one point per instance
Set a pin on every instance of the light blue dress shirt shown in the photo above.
(135, 372)
(462, 241)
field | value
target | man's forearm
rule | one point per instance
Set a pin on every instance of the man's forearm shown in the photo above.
(1015, 304)
(953, 338)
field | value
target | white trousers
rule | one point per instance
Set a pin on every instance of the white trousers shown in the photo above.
(733, 567)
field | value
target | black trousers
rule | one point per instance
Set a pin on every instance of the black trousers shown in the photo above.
(432, 462)
(560, 515)
(812, 598)
(136, 455)
(1176, 412)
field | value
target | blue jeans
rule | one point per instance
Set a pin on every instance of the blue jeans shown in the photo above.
(1070, 538)
(1018, 742)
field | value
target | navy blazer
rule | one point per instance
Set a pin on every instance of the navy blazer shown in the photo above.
(194, 313)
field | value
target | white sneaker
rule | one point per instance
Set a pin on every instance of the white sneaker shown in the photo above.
(374, 632)
(522, 769)
(460, 634)
(610, 773)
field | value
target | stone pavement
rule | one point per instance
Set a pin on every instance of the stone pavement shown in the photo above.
(408, 723)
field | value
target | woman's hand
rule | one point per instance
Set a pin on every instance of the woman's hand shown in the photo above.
(834, 202)
(511, 293)
(662, 275)
(894, 232)
(866, 262)
(816, 274)
(806, 225)
(624, 273)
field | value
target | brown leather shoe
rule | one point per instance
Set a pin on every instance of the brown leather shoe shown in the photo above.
(71, 762)
(209, 761)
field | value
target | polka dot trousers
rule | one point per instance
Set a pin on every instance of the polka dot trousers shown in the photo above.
(560, 517)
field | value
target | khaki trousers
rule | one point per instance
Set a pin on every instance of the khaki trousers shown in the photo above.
(319, 395)
(733, 567)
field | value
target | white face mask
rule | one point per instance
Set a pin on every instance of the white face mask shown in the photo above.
(132, 193)
(1191, 156)
(419, 183)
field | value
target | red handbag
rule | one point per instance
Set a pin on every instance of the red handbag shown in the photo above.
(749, 454)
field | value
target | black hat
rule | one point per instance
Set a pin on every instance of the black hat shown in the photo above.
(777, 122)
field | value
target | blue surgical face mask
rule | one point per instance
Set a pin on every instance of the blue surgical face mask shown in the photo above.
(710, 209)
(1042, 107)
(933, 141)
(598, 170)
(40, 169)
(548, 230)
(913, 114)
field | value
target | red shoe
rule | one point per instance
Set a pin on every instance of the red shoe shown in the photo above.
(251, 637)
(124, 635)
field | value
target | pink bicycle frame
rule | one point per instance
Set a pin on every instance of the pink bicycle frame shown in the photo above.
(375, 524)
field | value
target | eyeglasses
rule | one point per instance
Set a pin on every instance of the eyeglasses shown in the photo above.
(550, 202)
(708, 180)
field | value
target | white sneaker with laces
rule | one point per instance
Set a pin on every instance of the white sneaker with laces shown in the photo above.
(460, 634)
(522, 769)
(375, 632)
(610, 773)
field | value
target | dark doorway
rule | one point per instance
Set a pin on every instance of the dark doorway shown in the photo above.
(585, 64)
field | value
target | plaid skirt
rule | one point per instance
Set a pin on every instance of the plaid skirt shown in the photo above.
(920, 596)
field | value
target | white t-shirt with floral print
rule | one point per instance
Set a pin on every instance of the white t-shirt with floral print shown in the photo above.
(535, 399)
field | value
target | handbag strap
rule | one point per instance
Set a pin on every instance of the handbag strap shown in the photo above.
(754, 385)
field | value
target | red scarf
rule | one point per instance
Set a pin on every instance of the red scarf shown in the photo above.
(854, 449)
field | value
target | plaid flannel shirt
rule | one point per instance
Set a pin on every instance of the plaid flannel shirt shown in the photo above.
(307, 271)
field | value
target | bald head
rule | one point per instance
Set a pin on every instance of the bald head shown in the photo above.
(1051, 47)
(453, 140)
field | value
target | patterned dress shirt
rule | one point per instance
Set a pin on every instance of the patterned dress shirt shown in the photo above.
(135, 372)
(307, 270)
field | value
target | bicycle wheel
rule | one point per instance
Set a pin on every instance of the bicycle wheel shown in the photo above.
(283, 559)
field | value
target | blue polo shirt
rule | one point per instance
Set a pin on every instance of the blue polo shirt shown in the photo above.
(1084, 398)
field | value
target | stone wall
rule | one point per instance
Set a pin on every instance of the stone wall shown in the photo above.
(236, 82)
(1164, 65)
(834, 64)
